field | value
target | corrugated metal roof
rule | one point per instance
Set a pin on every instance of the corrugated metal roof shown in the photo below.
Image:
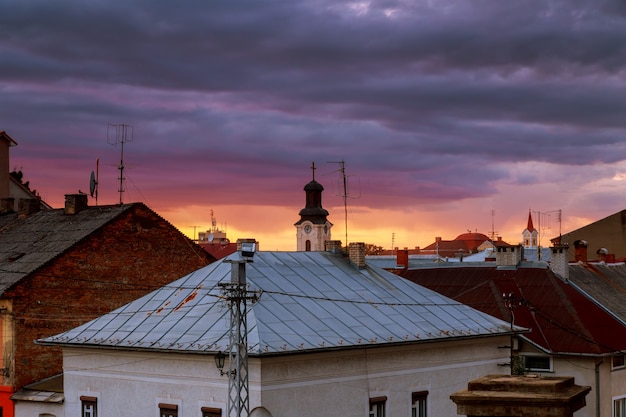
(27, 243)
(307, 301)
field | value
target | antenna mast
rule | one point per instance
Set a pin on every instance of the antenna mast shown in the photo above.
(342, 170)
(122, 132)
(493, 233)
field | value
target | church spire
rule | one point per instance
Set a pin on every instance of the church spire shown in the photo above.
(530, 226)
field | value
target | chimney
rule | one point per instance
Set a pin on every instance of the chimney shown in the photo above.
(356, 252)
(5, 143)
(580, 251)
(402, 258)
(333, 246)
(28, 206)
(438, 239)
(7, 205)
(559, 263)
(508, 255)
(75, 203)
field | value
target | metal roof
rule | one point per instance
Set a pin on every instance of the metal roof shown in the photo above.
(28, 243)
(604, 284)
(307, 301)
(562, 319)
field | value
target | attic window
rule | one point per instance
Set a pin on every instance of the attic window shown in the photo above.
(15, 257)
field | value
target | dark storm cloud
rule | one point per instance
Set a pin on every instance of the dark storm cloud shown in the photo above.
(429, 98)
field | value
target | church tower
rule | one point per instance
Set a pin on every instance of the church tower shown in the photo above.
(530, 234)
(313, 228)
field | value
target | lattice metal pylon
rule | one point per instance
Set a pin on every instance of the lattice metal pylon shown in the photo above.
(237, 296)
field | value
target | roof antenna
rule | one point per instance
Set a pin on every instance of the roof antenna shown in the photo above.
(342, 171)
(122, 132)
(93, 182)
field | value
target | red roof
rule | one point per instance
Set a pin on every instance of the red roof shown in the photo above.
(561, 319)
(219, 250)
(466, 243)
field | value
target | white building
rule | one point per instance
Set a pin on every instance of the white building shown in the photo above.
(328, 335)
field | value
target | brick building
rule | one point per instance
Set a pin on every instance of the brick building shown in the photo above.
(63, 267)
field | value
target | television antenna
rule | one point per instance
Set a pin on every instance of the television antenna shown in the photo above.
(493, 233)
(344, 195)
(123, 134)
(93, 182)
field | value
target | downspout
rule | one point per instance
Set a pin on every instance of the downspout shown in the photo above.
(598, 387)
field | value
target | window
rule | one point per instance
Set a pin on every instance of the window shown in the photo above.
(538, 363)
(618, 362)
(168, 410)
(377, 406)
(89, 406)
(619, 407)
(418, 404)
(211, 412)
(307, 246)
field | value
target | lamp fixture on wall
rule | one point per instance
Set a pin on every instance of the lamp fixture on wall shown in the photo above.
(220, 358)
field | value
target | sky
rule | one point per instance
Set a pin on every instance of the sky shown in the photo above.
(448, 116)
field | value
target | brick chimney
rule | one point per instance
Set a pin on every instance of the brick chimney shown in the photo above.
(356, 252)
(7, 205)
(28, 206)
(580, 251)
(333, 246)
(402, 258)
(509, 255)
(75, 203)
(559, 263)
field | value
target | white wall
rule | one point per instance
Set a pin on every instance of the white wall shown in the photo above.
(308, 384)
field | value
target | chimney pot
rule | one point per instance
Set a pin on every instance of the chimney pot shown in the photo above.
(580, 251)
(402, 259)
(75, 203)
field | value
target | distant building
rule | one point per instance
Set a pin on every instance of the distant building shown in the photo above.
(463, 245)
(313, 229)
(530, 235)
(13, 191)
(604, 236)
(215, 242)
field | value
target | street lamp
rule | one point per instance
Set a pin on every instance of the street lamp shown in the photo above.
(219, 363)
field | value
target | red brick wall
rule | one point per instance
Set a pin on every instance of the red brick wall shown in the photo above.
(133, 255)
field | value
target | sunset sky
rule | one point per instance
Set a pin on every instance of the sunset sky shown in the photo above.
(450, 115)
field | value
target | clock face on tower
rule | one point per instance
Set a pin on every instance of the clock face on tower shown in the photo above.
(307, 228)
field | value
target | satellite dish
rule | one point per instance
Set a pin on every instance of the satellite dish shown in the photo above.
(93, 182)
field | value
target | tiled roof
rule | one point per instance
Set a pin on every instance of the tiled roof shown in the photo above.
(561, 318)
(307, 301)
(28, 243)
